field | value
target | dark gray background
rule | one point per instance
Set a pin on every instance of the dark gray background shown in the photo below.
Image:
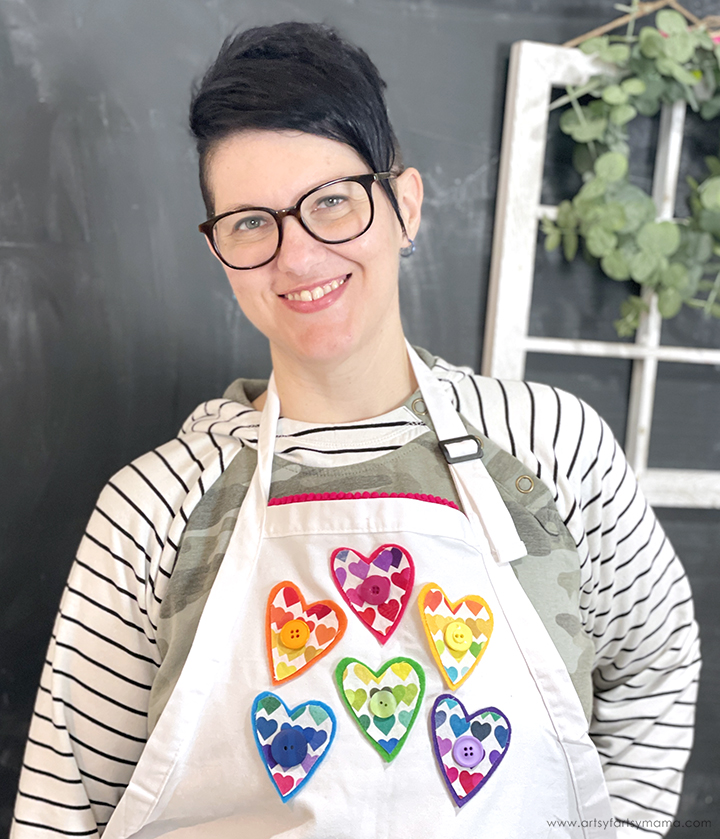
(115, 321)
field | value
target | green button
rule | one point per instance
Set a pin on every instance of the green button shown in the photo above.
(383, 704)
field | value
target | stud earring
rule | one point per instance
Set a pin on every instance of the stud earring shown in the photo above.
(409, 250)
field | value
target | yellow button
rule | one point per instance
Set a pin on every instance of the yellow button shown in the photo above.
(294, 634)
(458, 636)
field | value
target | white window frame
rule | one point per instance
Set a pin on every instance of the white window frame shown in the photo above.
(534, 70)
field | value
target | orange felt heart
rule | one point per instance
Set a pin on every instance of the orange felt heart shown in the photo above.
(325, 623)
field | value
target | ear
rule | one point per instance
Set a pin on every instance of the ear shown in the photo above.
(409, 190)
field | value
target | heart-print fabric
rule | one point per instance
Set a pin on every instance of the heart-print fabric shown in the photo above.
(490, 727)
(313, 721)
(376, 587)
(437, 614)
(325, 620)
(403, 679)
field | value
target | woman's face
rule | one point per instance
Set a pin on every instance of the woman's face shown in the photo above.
(274, 169)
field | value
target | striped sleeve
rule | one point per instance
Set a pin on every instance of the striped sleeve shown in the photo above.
(89, 725)
(635, 601)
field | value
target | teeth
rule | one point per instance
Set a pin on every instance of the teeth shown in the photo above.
(307, 295)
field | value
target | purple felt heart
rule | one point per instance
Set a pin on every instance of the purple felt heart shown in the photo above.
(359, 569)
(450, 721)
(383, 560)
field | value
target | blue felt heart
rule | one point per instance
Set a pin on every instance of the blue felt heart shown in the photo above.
(440, 717)
(481, 730)
(452, 673)
(458, 724)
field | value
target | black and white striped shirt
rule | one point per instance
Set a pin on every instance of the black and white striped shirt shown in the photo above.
(90, 719)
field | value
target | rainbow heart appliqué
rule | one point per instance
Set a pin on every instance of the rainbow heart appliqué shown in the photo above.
(468, 747)
(377, 588)
(298, 635)
(384, 703)
(292, 742)
(458, 633)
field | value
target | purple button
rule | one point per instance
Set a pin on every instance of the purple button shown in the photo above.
(468, 751)
(374, 589)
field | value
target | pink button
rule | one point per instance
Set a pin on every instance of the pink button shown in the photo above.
(374, 589)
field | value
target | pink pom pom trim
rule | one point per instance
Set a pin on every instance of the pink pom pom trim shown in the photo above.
(344, 496)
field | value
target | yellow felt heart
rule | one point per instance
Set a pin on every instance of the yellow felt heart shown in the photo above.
(436, 613)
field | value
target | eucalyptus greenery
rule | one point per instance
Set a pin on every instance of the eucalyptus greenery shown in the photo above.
(616, 221)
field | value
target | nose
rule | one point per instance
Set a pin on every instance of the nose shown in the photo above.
(299, 252)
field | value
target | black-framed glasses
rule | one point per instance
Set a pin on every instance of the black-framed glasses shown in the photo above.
(333, 213)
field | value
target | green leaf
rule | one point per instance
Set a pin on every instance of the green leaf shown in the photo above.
(583, 160)
(633, 86)
(659, 237)
(680, 47)
(592, 189)
(622, 114)
(588, 131)
(648, 106)
(614, 95)
(710, 109)
(709, 221)
(599, 241)
(631, 309)
(674, 276)
(594, 45)
(652, 43)
(644, 265)
(713, 164)
(566, 217)
(552, 240)
(615, 265)
(570, 245)
(670, 22)
(611, 166)
(611, 216)
(709, 192)
(669, 302)
(668, 67)
(616, 54)
(568, 120)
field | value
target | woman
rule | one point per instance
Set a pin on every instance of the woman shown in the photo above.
(396, 606)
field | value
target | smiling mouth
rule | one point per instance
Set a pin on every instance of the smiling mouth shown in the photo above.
(307, 294)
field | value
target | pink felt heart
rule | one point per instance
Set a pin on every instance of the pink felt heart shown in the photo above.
(380, 606)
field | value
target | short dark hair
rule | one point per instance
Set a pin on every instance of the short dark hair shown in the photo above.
(300, 76)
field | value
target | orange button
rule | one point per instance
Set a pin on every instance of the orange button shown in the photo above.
(294, 634)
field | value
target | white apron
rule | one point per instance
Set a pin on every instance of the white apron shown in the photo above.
(370, 668)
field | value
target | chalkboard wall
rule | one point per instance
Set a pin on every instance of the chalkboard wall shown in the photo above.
(115, 321)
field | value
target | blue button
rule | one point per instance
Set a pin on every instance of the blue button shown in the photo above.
(288, 747)
(468, 751)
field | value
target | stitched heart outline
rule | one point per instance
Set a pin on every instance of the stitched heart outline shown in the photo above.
(450, 721)
(314, 720)
(393, 570)
(403, 678)
(325, 620)
(436, 613)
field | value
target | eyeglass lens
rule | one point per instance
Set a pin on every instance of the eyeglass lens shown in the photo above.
(332, 214)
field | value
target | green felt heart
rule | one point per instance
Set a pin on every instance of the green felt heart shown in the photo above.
(440, 646)
(475, 648)
(385, 724)
(404, 677)
(269, 703)
(317, 713)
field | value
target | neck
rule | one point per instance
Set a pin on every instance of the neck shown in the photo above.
(364, 385)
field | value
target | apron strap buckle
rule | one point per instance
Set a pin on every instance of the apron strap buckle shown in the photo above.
(462, 454)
